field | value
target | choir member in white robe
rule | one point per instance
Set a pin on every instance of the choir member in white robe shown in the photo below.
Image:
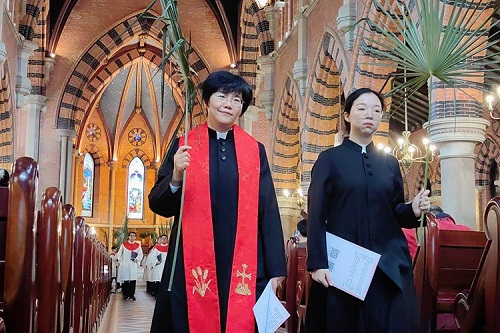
(156, 262)
(129, 256)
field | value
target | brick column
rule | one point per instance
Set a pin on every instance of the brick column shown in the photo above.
(111, 203)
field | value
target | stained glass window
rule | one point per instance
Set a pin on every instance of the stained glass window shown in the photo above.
(88, 185)
(135, 188)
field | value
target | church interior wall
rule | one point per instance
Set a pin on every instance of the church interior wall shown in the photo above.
(80, 34)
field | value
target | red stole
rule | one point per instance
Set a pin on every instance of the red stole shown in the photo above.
(161, 248)
(198, 238)
(131, 247)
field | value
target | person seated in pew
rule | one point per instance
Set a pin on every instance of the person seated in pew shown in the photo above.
(445, 222)
(4, 177)
(301, 233)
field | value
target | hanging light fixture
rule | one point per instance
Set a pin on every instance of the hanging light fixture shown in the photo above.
(406, 152)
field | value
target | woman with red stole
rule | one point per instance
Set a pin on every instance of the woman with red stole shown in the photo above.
(232, 242)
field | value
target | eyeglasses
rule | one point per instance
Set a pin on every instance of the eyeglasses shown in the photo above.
(236, 101)
(364, 113)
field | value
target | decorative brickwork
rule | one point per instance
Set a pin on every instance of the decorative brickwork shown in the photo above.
(322, 102)
(5, 122)
(256, 40)
(94, 70)
(286, 157)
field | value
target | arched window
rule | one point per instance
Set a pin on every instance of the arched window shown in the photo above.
(88, 185)
(135, 188)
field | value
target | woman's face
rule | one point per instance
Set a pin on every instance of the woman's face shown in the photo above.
(223, 110)
(365, 115)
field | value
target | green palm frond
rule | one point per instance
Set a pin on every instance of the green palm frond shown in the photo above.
(178, 53)
(425, 40)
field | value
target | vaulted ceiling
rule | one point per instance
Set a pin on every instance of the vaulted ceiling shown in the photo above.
(225, 11)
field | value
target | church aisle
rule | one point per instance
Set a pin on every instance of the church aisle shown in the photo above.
(129, 316)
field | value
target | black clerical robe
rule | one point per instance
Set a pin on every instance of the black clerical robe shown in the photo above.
(170, 313)
(360, 197)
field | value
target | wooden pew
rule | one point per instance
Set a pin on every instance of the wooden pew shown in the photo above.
(295, 267)
(66, 264)
(4, 204)
(479, 309)
(303, 288)
(445, 265)
(79, 252)
(20, 247)
(47, 272)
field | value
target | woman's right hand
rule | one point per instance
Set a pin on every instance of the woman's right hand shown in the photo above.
(322, 276)
(181, 162)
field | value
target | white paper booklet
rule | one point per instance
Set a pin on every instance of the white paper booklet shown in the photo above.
(351, 266)
(269, 312)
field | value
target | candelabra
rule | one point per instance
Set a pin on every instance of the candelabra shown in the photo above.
(407, 153)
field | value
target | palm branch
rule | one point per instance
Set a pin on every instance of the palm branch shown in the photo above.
(175, 49)
(429, 40)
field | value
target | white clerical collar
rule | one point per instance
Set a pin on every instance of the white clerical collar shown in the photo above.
(221, 135)
(363, 149)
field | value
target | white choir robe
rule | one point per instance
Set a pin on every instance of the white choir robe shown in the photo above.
(148, 272)
(127, 271)
(153, 263)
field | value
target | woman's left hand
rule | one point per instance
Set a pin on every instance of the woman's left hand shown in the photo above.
(421, 202)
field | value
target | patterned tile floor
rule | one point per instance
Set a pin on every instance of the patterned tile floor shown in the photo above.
(128, 316)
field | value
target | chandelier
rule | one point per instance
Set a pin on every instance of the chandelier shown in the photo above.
(406, 152)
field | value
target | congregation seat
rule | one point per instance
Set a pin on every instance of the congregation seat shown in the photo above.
(445, 264)
(56, 278)
(295, 268)
(479, 309)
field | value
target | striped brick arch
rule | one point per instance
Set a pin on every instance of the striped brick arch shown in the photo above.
(329, 71)
(6, 152)
(32, 27)
(96, 154)
(286, 159)
(256, 40)
(367, 71)
(488, 153)
(95, 70)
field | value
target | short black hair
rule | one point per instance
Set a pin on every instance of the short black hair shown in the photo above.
(227, 82)
(302, 227)
(354, 96)
(132, 232)
(163, 235)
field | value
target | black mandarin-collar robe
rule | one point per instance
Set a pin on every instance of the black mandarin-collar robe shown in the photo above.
(360, 197)
(170, 313)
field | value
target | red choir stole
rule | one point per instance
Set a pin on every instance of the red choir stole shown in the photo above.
(161, 248)
(198, 238)
(131, 246)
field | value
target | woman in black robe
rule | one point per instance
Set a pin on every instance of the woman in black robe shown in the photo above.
(356, 193)
(227, 96)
